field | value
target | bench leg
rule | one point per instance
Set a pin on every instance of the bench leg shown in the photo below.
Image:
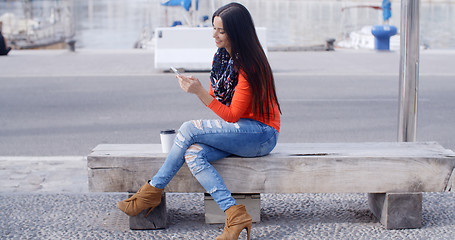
(157, 219)
(252, 202)
(397, 210)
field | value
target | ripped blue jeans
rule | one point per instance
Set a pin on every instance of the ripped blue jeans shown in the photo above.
(200, 142)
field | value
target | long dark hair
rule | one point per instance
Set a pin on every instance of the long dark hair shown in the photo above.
(249, 56)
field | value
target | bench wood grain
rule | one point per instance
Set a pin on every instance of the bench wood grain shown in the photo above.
(290, 168)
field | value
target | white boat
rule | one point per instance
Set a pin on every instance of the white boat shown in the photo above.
(185, 44)
(50, 31)
(190, 17)
(189, 48)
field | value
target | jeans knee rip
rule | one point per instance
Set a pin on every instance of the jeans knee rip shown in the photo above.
(179, 140)
(195, 148)
(212, 190)
(179, 144)
(180, 137)
(197, 124)
(191, 159)
(218, 123)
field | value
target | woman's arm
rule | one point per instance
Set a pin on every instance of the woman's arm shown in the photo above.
(241, 101)
(193, 85)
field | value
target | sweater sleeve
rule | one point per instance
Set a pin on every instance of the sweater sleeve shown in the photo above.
(241, 102)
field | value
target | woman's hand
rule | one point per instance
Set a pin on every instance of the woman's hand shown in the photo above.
(192, 85)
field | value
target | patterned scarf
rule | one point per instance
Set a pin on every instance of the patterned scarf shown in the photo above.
(223, 77)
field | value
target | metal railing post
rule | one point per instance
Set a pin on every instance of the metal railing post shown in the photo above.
(409, 70)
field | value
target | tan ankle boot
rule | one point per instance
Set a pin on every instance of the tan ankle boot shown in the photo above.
(237, 219)
(147, 197)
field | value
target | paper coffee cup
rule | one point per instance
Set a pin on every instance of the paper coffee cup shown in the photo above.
(167, 139)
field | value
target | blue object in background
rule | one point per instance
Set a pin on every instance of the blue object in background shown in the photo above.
(382, 34)
(386, 10)
(176, 23)
(184, 3)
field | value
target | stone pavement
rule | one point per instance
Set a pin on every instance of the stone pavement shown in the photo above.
(46, 197)
(63, 174)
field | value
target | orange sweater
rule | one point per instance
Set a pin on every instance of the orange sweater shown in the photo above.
(241, 106)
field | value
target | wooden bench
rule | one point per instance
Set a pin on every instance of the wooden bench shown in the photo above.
(393, 174)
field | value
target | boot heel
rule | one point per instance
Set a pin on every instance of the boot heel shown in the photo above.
(248, 231)
(237, 219)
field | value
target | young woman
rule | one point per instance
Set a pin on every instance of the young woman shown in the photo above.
(242, 93)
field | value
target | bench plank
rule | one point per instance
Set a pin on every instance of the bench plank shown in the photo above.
(290, 168)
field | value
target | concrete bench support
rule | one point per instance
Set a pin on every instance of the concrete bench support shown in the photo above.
(397, 210)
(386, 170)
(157, 219)
(252, 202)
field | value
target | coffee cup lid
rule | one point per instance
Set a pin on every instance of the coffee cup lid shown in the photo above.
(168, 131)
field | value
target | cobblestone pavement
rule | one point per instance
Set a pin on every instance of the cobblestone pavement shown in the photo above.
(48, 198)
(284, 216)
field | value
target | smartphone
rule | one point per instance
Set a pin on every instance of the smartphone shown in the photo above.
(175, 70)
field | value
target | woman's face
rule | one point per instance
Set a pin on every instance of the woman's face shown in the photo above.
(221, 37)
